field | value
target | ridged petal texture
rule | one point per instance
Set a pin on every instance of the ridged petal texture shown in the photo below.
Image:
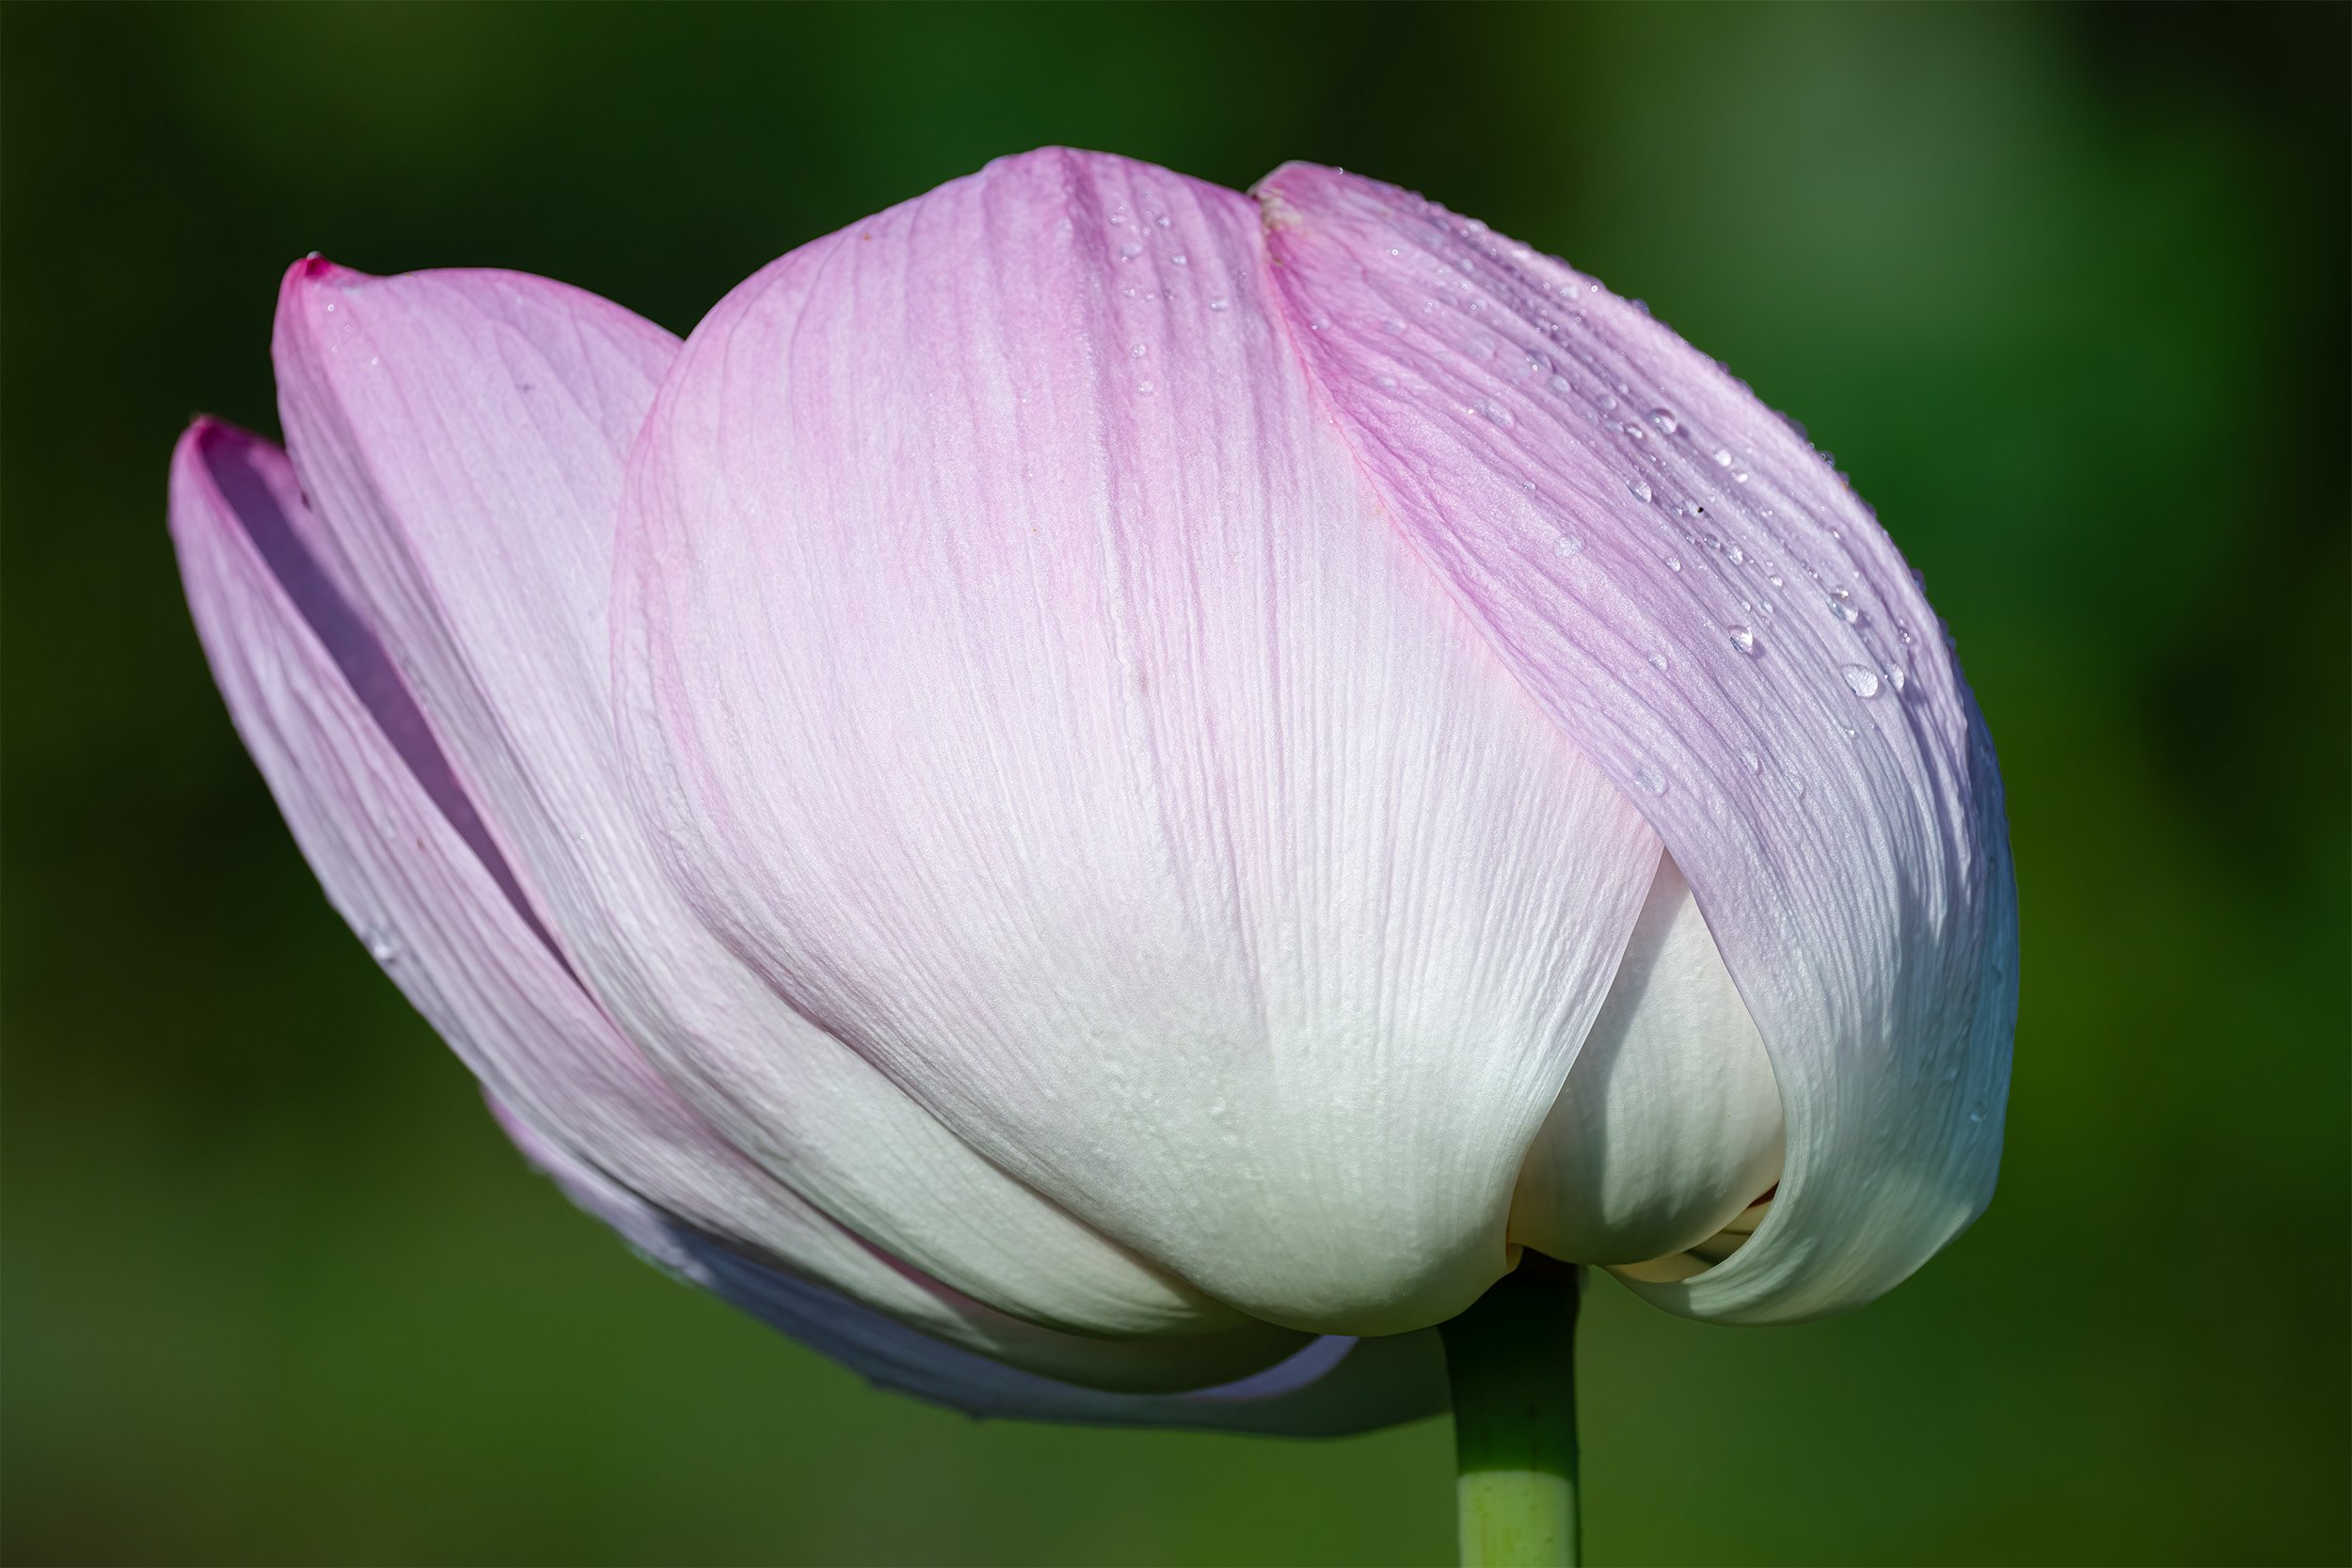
(1033, 691)
(1693, 595)
(385, 810)
(1101, 789)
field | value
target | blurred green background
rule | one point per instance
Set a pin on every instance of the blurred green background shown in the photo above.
(2064, 289)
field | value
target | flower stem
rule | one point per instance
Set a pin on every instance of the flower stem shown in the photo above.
(1512, 1362)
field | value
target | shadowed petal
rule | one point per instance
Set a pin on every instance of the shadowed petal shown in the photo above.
(1330, 1387)
(366, 795)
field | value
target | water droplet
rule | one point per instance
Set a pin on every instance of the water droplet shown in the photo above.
(1651, 779)
(1743, 640)
(1387, 383)
(1495, 412)
(1665, 421)
(1674, 563)
(1161, 220)
(1145, 388)
(1951, 1075)
(382, 946)
(1747, 760)
(1641, 491)
(1736, 556)
(1861, 680)
(1723, 456)
(1179, 260)
(1658, 660)
(1607, 401)
(1219, 303)
(1976, 1113)
(1561, 385)
(1739, 476)
(1129, 251)
(1895, 678)
(1138, 350)
(1393, 324)
(1842, 593)
(1775, 579)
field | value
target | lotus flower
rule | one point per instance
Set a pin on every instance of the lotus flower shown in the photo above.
(1103, 798)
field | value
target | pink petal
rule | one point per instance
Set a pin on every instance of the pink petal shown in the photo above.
(1698, 601)
(462, 434)
(363, 787)
(1033, 691)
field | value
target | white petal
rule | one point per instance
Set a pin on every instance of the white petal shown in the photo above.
(1670, 1123)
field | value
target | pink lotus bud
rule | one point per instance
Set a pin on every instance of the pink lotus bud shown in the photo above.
(1103, 797)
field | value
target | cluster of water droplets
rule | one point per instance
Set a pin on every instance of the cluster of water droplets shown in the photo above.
(1764, 535)
(1143, 238)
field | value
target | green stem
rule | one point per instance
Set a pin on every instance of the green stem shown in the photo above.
(1512, 1362)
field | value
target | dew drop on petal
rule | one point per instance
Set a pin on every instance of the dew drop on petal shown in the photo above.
(1743, 640)
(1651, 779)
(1734, 554)
(1747, 760)
(1129, 251)
(1640, 490)
(1665, 421)
(1218, 303)
(1723, 456)
(1860, 679)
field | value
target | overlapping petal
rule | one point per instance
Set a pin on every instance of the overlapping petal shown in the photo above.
(1331, 1387)
(1032, 689)
(1670, 1123)
(1693, 597)
(364, 784)
(461, 435)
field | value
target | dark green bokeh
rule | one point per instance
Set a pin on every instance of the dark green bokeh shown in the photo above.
(2064, 289)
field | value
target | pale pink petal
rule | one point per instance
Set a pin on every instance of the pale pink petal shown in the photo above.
(1692, 596)
(1034, 692)
(1331, 1387)
(462, 433)
(363, 785)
